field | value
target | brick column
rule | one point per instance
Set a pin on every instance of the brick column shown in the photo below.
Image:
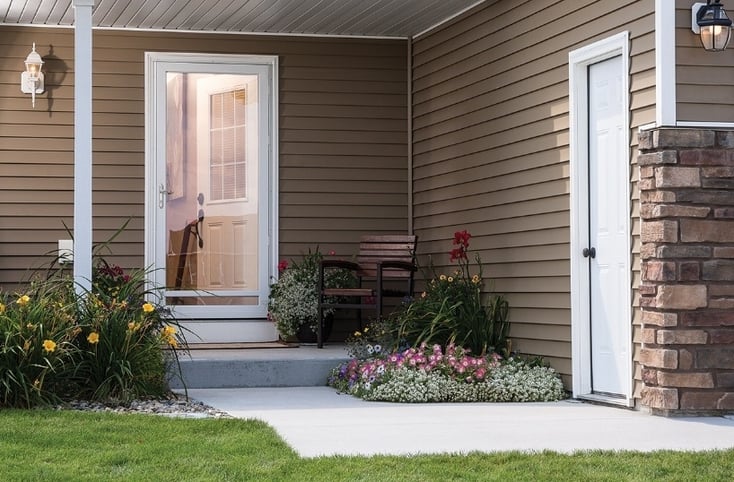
(687, 289)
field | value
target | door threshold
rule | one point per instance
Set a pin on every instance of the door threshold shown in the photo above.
(611, 400)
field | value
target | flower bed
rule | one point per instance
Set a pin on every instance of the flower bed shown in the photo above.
(109, 344)
(427, 374)
(424, 352)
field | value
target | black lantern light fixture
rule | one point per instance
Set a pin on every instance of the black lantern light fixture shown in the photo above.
(709, 20)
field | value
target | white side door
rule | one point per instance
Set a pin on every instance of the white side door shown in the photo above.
(601, 279)
(608, 253)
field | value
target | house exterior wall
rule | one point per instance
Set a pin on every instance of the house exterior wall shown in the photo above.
(491, 149)
(703, 79)
(343, 131)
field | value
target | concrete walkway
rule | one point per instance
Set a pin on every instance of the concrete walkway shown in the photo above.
(318, 421)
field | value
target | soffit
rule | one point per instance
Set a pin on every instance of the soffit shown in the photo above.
(378, 18)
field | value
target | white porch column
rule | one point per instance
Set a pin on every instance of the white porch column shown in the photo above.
(83, 144)
(665, 80)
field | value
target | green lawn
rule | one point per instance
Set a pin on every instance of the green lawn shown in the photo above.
(52, 445)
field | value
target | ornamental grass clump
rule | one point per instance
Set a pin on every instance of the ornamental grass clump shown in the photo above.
(37, 350)
(453, 308)
(127, 342)
(430, 374)
(108, 344)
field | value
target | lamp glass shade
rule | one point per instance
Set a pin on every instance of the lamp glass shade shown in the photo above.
(715, 27)
(715, 37)
(33, 64)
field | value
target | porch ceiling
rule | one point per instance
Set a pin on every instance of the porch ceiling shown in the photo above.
(382, 18)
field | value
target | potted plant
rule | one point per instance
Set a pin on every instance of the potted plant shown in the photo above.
(293, 300)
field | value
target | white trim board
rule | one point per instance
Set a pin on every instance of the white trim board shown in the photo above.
(665, 80)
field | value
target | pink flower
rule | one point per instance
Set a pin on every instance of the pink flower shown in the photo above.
(332, 253)
(282, 266)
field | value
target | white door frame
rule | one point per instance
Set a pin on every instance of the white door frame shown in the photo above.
(579, 60)
(155, 174)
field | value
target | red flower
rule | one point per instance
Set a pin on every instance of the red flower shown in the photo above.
(282, 266)
(458, 253)
(462, 238)
(332, 253)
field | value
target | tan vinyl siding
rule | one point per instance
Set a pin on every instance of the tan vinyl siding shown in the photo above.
(343, 139)
(703, 79)
(491, 147)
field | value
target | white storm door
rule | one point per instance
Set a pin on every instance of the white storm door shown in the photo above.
(211, 204)
(608, 253)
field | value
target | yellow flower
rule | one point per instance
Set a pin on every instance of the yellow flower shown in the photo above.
(475, 279)
(172, 342)
(147, 307)
(356, 333)
(442, 277)
(49, 346)
(168, 331)
(93, 338)
(23, 300)
(131, 326)
(2, 308)
(450, 279)
(424, 294)
(366, 329)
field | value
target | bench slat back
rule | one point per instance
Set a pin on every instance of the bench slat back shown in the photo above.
(393, 247)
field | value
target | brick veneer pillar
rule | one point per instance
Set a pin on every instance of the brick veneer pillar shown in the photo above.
(687, 290)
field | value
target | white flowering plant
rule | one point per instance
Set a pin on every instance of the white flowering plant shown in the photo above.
(432, 374)
(293, 299)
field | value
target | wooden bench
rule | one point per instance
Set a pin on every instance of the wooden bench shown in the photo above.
(382, 262)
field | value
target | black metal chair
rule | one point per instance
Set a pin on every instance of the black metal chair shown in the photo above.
(383, 262)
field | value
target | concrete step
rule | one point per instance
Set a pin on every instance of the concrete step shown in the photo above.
(301, 366)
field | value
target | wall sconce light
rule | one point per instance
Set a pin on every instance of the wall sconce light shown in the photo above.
(709, 20)
(31, 80)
